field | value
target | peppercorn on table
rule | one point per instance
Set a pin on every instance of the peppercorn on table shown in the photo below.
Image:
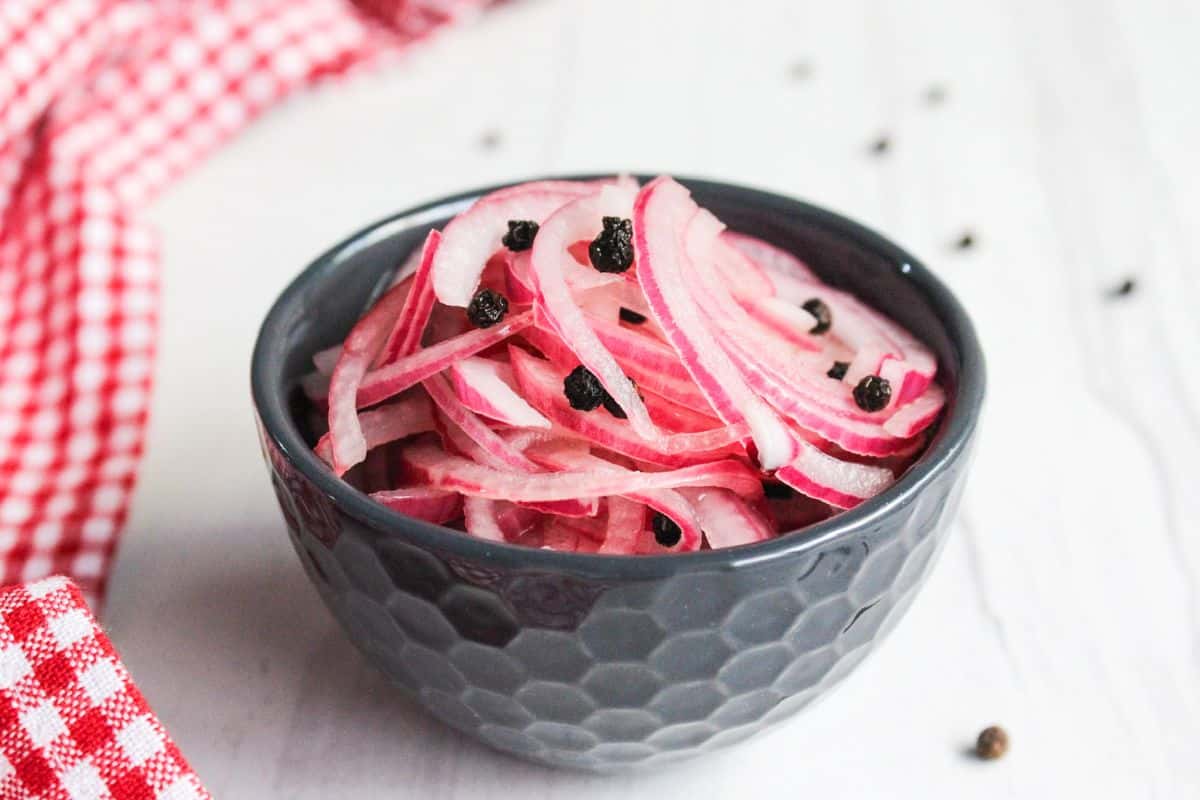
(1040, 157)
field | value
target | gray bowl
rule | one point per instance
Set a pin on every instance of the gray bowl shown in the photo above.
(601, 662)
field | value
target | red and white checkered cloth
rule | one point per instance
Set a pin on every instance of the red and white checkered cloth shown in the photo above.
(72, 724)
(102, 102)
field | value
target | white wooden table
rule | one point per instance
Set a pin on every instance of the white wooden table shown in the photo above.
(1065, 607)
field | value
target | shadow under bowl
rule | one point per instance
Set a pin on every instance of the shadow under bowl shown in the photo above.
(602, 662)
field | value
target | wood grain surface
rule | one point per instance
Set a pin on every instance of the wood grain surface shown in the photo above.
(1061, 135)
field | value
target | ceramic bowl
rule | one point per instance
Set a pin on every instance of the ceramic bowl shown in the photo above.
(603, 662)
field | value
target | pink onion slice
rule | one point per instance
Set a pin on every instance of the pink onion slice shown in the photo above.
(662, 209)
(790, 322)
(499, 452)
(431, 505)
(487, 388)
(591, 527)
(516, 279)
(872, 335)
(726, 519)
(406, 372)
(712, 291)
(542, 387)
(585, 279)
(665, 501)
(651, 364)
(566, 536)
(489, 448)
(918, 415)
(742, 274)
(428, 465)
(856, 436)
(479, 515)
(679, 418)
(347, 444)
(773, 260)
(839, 483)
(580, 219)
(626, 521)
(759, 354)
(406, 335)
(387, 423)
(722, 359)
(471, 237)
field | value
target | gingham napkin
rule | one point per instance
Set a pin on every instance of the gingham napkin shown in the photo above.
(72, 724)
(102, 102)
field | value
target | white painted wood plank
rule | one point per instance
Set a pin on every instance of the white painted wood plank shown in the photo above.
(1065, 607)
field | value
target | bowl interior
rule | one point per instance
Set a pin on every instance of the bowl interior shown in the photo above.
(322, 304)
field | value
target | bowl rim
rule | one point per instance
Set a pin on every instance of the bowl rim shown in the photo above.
(950, 444)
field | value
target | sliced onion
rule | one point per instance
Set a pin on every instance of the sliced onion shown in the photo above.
(430, 505)
(721, 374)
(653, 365)
(405, 337)
(517, 280)
(911, 419)
(839, 483)
(347, 444)
(581, 219)
(662, 209)
(487, 387)
(668, 502)
(542, 386)
(479, 515)
(428, 465)
(774, 261)
(791, 322)
(471, 237)
(407, 372)
(626, 521)
(499, 453)
(387, 423)
(485, 446)
(727, 519)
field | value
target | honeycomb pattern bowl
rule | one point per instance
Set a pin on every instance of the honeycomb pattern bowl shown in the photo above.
(604, 662)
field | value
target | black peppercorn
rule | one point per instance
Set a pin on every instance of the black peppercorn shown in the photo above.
(966, 241)
(838, 370)
(818, 309)
(992, 743)
(487, 308)
(583, 390)
(801, 70)
(872, 393)
(520, 234)
(632, 317)
(612, 249)
(881, 145)
(1123, 289)
(666, 532)
(611, 406)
